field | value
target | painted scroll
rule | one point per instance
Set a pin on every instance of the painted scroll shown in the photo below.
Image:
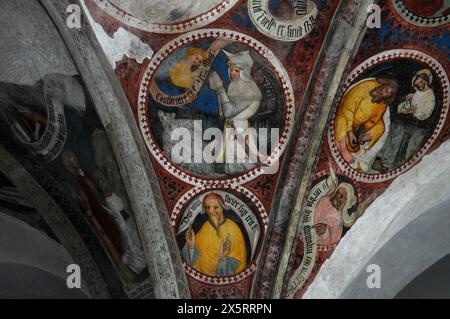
(203, 67)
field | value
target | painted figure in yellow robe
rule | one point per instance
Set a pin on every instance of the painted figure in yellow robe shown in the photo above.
(218, 248)
(186, 70)
(359, 121)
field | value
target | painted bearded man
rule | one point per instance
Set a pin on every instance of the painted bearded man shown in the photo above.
(218, 248)
(360, 120)
(330, 213)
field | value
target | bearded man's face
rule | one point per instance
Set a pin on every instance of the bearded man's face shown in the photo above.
(339, 199)
(382, 93)
(214, 211)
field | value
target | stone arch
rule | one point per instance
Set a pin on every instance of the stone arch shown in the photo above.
(59, 220)
(29, 260)
(27, 282)
(433, 283)
(34, 48)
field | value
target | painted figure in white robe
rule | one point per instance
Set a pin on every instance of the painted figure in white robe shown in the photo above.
(237, 105)
(408, 134)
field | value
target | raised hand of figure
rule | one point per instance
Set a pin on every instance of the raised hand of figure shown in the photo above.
(190, 237)
(320, 228)
(225, 247)
(215, 82)
(220, 44)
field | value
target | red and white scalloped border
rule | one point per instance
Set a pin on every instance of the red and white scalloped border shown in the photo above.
(262, 213)
(397, 54)
(189, 38)
(416, 20)
(179, 27)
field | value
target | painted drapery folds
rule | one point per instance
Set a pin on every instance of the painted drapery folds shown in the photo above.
(49, 124)
(216, 106)
(391, 110)
(226, 96)
(54, 121)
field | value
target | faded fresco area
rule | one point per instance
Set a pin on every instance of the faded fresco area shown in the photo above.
(49, 121)
(216, 108)
(389, 112)
(207, 133)
(392, 109)
(164, 11)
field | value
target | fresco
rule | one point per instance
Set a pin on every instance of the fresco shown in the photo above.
(166, 11)
(55, 122)
(228, 97)
(218, 236)
(166, 16)
(428, 9)
(228, 75)
(219, 91)
(283, 20)
(424, 13)
(215, 105)
(219, 233)
(383, 119)
(390, 111)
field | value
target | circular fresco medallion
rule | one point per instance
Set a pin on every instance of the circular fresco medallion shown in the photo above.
(166, 16)
(219, 233)
(283, 20)
(423, 13)
(216, 105)
(390, 112)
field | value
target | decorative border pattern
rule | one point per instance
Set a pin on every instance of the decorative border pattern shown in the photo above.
(178, 27)
(262, 213)
(278, 29)
(143, 109)
(412, 18)
(398, 54)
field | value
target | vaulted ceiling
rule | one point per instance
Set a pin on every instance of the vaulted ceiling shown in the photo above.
(224, 149)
